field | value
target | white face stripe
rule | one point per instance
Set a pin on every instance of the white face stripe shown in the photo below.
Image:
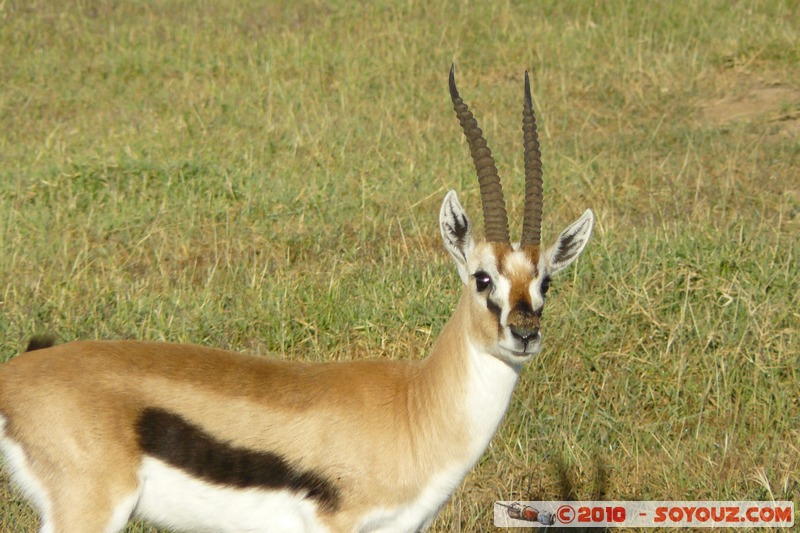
(534, 289)
(502, 295)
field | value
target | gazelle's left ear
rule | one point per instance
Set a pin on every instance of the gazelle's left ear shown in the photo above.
(456, 233)
(570, 243)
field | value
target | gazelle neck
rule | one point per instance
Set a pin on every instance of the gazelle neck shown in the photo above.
(465, 385)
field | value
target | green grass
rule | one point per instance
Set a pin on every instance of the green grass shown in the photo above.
(268, 178)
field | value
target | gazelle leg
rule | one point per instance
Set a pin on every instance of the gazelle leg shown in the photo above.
(100, 505)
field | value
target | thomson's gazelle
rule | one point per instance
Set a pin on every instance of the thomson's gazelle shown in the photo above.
(199, 439)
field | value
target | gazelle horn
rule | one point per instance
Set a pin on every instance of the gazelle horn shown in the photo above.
(532, 217)
(494, 208)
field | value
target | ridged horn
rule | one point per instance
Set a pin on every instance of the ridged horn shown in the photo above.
(532, 217)
(494, 207)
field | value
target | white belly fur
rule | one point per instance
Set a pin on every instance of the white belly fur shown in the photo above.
(172, 498)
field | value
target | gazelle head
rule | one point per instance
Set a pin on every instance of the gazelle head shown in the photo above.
(506, 282)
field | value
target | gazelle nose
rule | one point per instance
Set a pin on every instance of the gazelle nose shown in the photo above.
(523, 333)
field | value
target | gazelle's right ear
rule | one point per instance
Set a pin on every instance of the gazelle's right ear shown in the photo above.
(456, 233)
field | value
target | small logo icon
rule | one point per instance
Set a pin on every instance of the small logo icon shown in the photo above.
(518, 511)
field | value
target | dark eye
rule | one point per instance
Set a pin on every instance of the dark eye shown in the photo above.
(482, 280)
(545, 285)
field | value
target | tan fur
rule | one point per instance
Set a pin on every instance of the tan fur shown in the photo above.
(73, 408)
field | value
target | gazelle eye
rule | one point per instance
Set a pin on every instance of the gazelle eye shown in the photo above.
(482, 280)
(545, 285)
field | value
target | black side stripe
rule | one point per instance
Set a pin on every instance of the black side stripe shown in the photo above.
(174, 440)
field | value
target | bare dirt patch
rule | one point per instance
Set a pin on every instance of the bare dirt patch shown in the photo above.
(776, 105)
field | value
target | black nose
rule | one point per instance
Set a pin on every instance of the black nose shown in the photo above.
(525, 334)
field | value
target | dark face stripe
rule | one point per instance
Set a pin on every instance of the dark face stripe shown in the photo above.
(494, 308)
(172, 439)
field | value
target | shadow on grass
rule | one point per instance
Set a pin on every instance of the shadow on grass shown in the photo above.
(567, 486)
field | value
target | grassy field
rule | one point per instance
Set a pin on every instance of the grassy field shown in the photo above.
(267, 178)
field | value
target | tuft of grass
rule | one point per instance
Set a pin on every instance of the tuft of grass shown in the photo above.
(267, 179)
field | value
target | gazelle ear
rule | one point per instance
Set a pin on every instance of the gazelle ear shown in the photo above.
(456, 233)
(570, 243)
